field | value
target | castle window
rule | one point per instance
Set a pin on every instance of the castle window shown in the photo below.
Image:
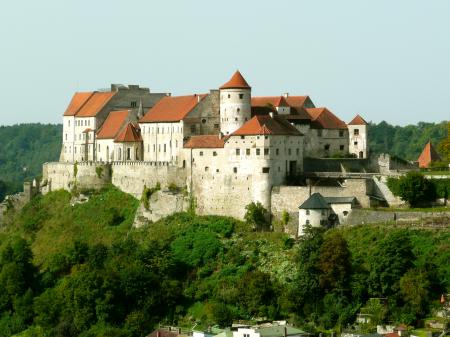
(307, 222)
(66, 136)
(206, 168)
(201, 153)
(307, 212)
(74, 149)
(238, 109)
(203, 121)
(229, 95)
(341, 147)
(341, 133)
(133, 104)
(242, 137)
(159, 148)
(241, 96)
(265, 170)
(164, 147)
(235, 169)
(327, 147)
(193, 128)
(289, 151)
(148, 147)
(266, 152)
(319, 133)
(279, 169)
(235, 119)
(217, 170)
(356, 132)
(216, 126)
(298, 152)
(238, 152)
(214, 153)
(277, 151)
(68, 122)
(355, 143)
(266, 137)
(99, 147)
(176, 143)
(154, 147)
(258, 152)
(247, 152)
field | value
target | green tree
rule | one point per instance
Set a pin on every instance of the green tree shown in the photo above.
(416, 189)
(256, 215)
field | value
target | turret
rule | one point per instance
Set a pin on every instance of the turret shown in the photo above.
(235, 104)
(357, 133)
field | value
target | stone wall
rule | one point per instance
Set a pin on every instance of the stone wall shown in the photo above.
(362, 216)
(131, 177)
(86, 175)
(289, 198)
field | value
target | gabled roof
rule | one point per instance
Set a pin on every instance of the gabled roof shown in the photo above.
(113, 124)
(171, 108)
(129, 133)
(205, 142)
(77, 101)
(358, 120)
(265, 101)
(297, 101)
(324, 119)
(237, 81)
(95, 104)
(315, 201)
(428, 156)
(266, 125)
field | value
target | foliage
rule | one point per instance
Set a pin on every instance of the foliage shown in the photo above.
(99, 171)
(82, 271)
(413, 188)
(405, 141)
(256, 216)
(24, 149)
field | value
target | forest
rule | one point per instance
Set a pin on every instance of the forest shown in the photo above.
(81, 270)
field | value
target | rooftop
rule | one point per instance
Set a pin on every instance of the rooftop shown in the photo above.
(237, 81)
(112, 125)
(266, 125)
(315, 201)
(205, 141)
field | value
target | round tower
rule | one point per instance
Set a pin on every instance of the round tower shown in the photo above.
(235, 104)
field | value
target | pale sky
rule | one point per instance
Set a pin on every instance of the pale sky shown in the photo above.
(385, 59)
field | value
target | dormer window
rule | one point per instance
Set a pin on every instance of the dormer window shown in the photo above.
(133, 104)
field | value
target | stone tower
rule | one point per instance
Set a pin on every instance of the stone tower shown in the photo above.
(357, 134)
(235, 104)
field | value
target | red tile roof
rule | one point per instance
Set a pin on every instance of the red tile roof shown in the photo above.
(129, 133)
(358, 120)
(428, 156)
(77, 101)
(237, 81)
(325, 119)
(171, 109)
(297, 101)
(95, 104)
(391, 334)
(204, 142)
(266, 125)
(263, 101)
(113, 124)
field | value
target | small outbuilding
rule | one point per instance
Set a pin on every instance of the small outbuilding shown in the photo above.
(315, 211)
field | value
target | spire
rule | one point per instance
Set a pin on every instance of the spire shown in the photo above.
(428, 156)
(140, 110)
(237, 81)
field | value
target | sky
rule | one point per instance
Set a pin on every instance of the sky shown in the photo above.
(384, 59)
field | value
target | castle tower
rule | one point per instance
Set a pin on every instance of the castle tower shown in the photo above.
(235, 104)
(357, 134)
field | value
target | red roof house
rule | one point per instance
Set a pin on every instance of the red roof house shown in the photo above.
(428, 156)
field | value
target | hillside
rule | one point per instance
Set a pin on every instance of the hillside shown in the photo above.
(24, 148)
(82, 270)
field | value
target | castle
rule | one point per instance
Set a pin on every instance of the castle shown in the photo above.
(226, 147)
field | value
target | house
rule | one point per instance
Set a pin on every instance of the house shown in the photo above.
(269, 331)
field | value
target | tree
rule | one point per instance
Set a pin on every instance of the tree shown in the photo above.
(256, 215)
(391, 259)
(334, 263)
(416, 189)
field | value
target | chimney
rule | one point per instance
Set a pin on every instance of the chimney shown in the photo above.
(286, 95)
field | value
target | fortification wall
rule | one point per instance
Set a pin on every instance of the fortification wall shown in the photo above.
(86, 175)
(289, 198)
(131, 177)
(363, 216)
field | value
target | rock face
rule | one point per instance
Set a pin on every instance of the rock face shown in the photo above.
(160, 204)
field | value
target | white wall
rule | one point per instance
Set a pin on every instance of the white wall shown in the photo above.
(315, 217)
(162, 142)
(234, 110)
(358, 142)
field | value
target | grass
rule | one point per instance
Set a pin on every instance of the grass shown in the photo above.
(53, 224)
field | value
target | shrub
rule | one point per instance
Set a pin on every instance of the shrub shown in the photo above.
(256, 215)
(147, 193)
(413, 188)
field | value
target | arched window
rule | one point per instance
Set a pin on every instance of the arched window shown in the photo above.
(128, 154)
(120, 154)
